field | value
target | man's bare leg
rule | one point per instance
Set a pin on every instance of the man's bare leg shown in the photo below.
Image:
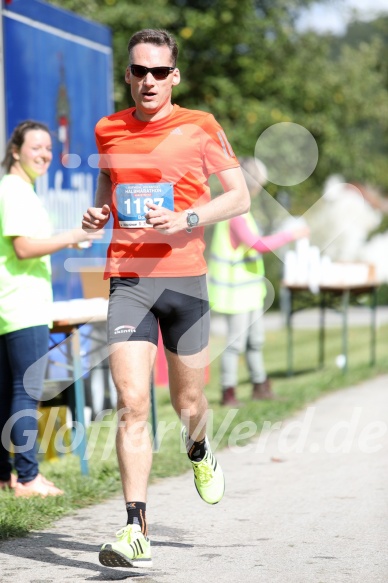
(131, 366)
(187, 382)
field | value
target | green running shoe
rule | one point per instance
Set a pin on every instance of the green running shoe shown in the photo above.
(132, 549)
(208, 475)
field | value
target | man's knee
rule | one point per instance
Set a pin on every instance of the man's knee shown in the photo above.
(133, 405)
(192, 403)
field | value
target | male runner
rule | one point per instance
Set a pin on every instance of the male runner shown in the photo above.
(155, 160)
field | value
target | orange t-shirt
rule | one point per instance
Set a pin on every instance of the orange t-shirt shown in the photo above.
(182, 149)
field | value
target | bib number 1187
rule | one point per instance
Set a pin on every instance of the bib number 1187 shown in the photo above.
(140, 206)
(132, 202)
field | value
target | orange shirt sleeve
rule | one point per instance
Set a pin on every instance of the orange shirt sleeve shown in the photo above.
(217, 153)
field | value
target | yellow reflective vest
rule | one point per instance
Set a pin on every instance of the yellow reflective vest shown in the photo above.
(235, 276)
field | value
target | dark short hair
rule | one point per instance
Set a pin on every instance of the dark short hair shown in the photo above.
(155, 37)
(16, 140)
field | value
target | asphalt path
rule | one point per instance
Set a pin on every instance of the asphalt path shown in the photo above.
(305, 502)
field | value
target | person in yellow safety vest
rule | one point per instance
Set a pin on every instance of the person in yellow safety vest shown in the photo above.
(236, 284)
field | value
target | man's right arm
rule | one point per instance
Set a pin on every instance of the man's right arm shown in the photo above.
(103, 190)
(96, 217)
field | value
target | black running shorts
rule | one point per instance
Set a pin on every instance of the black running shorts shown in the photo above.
(178, 304)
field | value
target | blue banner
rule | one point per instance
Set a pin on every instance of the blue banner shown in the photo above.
(58, 70)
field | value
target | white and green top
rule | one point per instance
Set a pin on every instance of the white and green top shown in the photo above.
(25, 284)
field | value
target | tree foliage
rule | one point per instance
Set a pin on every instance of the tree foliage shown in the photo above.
(244, 61)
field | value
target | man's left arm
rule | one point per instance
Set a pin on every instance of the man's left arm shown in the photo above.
(234, 201)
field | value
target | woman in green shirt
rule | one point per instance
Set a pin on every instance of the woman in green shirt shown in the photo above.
(26, 244)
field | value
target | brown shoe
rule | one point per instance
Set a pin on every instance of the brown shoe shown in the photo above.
(39, 486)
(229, 398)
(262, 391)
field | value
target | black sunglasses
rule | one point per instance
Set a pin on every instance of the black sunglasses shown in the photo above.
(158, 73)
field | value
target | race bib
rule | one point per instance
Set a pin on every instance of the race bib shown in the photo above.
(132, 202)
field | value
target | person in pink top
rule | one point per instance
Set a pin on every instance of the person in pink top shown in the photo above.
(237, 290)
